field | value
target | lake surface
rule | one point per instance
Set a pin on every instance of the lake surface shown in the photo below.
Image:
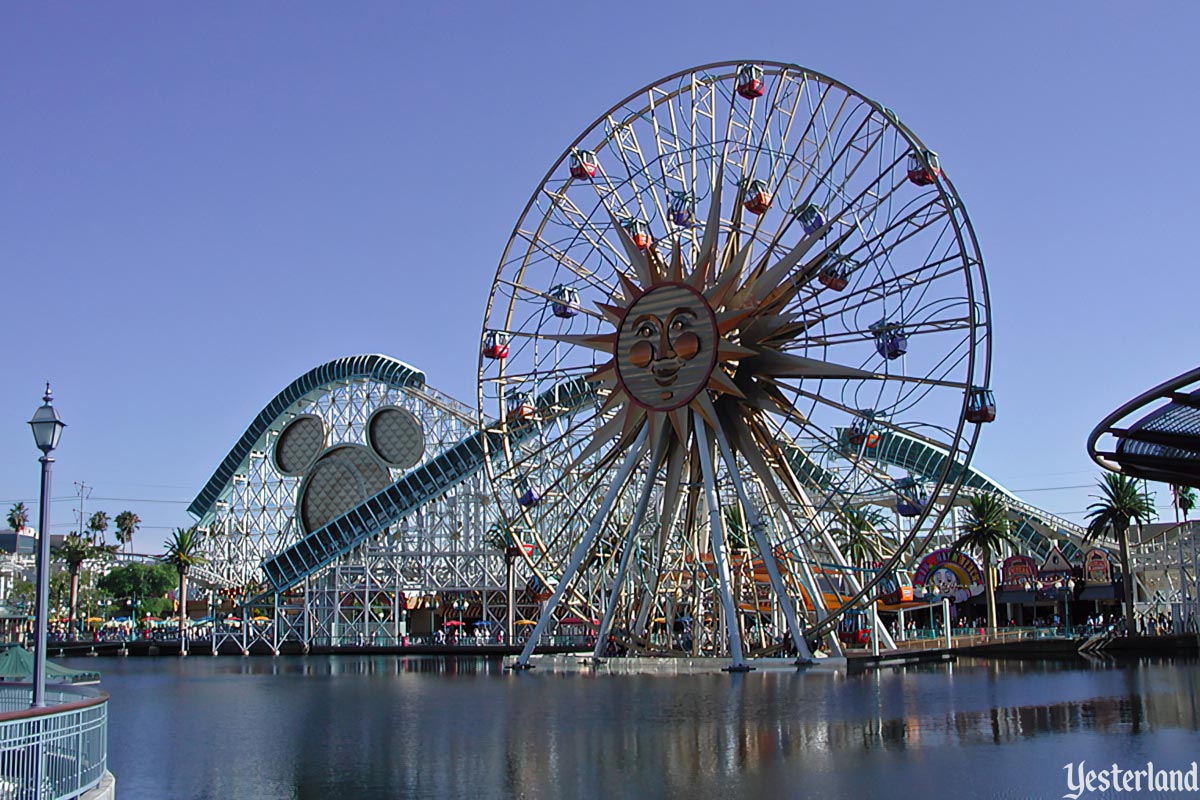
(365, 727)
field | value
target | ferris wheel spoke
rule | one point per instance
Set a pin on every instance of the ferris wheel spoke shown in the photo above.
(560, 257)
(581, 549)
(764, 548)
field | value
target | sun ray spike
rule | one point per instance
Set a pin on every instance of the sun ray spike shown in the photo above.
(675, 272)
(637, 258)
(629, 287)
(611, 313)
(721, 382)
(604, 342)
(605, 372)
(727, 280)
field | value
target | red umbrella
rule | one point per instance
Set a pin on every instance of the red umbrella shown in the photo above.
(454, 623)
(577, 621)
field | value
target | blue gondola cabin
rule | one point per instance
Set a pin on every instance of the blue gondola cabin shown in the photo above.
(639, 232)
(923, 167)
(890, 340)
(583, 164)
(564, 301)
(911, 499)
(527, 496)
(758, 196)
(520, 406)
(750, 81)
(683, 209)
(495, 345)
(981, 405)
(810, 218)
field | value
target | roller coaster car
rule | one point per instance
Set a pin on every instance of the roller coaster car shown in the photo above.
(564, 301)
(981, 405)
(584, 164)
(923, 168)
(861, 435)
(520, 406)
(758, 196)
(750, 81)
(495, 345)
(639, 232)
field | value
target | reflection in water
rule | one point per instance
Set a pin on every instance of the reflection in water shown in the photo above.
(380, 726)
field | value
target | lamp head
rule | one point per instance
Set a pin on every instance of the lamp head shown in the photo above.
(46, 424)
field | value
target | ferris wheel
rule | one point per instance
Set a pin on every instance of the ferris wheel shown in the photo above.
(734, 277)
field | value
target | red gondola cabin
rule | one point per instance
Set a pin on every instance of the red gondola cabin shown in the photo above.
(495, 345)
(836, 276)
(981, 405)
(583, 164)
(758, 196)
(923, 167)
(639, 232)
(750, 81)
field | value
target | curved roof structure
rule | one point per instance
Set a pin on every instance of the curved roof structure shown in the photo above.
(377, 367)
(1164, 444)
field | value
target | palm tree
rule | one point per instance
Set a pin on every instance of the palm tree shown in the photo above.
(1185, 500)
(183, 553)
(74, 551)
(97, 525)
(18, 517)
(986, 529)
(855, 529)
(127, 523)
(1119, 503)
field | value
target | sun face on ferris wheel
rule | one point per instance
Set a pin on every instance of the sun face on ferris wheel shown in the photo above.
(723, 314)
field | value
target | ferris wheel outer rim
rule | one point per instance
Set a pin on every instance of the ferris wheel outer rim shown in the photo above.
(973, 267)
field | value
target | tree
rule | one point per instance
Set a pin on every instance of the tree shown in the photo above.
(97, 525)
(139, 583)
(127, 523)
(986, 529)
(18, 517)
(855, 529)
(74, 551)
(183, 553)
(1119, 503)
(1184, 500)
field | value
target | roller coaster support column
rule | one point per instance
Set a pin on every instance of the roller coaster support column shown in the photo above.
(946, 620)
(900, 622)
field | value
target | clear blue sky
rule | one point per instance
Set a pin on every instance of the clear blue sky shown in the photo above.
(200, 202)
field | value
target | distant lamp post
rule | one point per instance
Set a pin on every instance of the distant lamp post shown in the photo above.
(47, 429)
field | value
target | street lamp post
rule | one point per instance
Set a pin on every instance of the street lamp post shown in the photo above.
(47, 428)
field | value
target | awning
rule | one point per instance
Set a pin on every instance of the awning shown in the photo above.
(1108, 592)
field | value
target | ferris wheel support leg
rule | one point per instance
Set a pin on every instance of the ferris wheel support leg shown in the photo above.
(764, 548)
(630, 539)
(717, 538)
(581, 550)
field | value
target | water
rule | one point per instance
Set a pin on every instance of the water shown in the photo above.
(357, 728)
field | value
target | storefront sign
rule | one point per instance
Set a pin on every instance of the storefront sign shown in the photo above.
(1097, 566)
(1018, 571)
(956, 575)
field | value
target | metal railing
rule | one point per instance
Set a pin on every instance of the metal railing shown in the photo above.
(59, 751)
